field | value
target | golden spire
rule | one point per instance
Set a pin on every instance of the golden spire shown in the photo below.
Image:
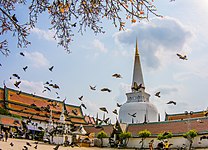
(137, 51)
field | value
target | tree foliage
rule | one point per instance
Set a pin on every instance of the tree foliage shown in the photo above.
(144, 134)
(125, 137)
(190, 135)
(66, 15)
(164, 135)
(102, 135)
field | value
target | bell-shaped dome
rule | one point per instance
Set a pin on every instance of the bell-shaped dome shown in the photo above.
(140, 111)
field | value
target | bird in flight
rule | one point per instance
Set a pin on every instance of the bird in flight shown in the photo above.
(106, 89)
(21, 53)
(115, 111)
(17, 83)
(119, 105)
(51, 68)
(83, 105)
(136, 87)
(183, 57)
(93, 88)
(25, 68)
(133, 115)
(16, 75)
(104, 109)
(157, 94)
(80, 98)
(116, 75)
(171, 102)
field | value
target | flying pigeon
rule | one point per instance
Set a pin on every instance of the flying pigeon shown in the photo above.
(171, 102)
(106, 89)
(133, 115)
(184, 57)
(157, 94)
(104, 109)
(93, 88)
(116, 75)
(51, 68)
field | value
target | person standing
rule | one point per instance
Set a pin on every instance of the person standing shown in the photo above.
(6, 135)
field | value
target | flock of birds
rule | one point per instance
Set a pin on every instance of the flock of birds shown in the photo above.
(49, 85)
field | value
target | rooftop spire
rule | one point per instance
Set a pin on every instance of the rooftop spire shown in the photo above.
(137, 51)
(137, 73)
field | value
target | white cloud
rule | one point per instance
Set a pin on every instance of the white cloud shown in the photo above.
(29, 87)
(157, 39)
(98, 45)
(42, 34)
(38, 59)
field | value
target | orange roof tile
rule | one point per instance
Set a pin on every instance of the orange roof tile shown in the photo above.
(89, 120)
(184, 116)
(18, 102)
(5, 120)
(108, 129)
(1, 94)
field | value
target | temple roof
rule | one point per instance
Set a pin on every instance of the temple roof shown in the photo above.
(9, 121)
(1, 97)
(108, 129)
(176, 127)
(27, 105)
(181, 116)
(89, 120)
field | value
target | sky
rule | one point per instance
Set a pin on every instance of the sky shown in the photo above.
(95, 58)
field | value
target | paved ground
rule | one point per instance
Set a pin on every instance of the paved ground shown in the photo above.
(20, 143)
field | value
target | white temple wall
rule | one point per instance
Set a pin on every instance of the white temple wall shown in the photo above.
(176, 141)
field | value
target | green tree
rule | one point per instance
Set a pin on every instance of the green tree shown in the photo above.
(100, 136)
(190, 135)
(67, 16)
(164, 135)
(125, 137)
(144, 134)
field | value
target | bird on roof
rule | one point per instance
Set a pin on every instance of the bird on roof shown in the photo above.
(44, 91)
(17, 83)
(183, 57)
(133, 115)
(116, 75)
(74, 111)
(16, 75)
(115, 111)
(93, 88)
(104, 109)
(106, 89)
(47, 88)
(80, 98)
(119, 105)
(36, 146)
(83, 105)
(14, 18)
(51, 68)
(171, 102)
(21, 53)
(56, 147)
(19, 92)
(157, 94)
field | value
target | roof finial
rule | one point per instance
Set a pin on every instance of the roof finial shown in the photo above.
(137, 51)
